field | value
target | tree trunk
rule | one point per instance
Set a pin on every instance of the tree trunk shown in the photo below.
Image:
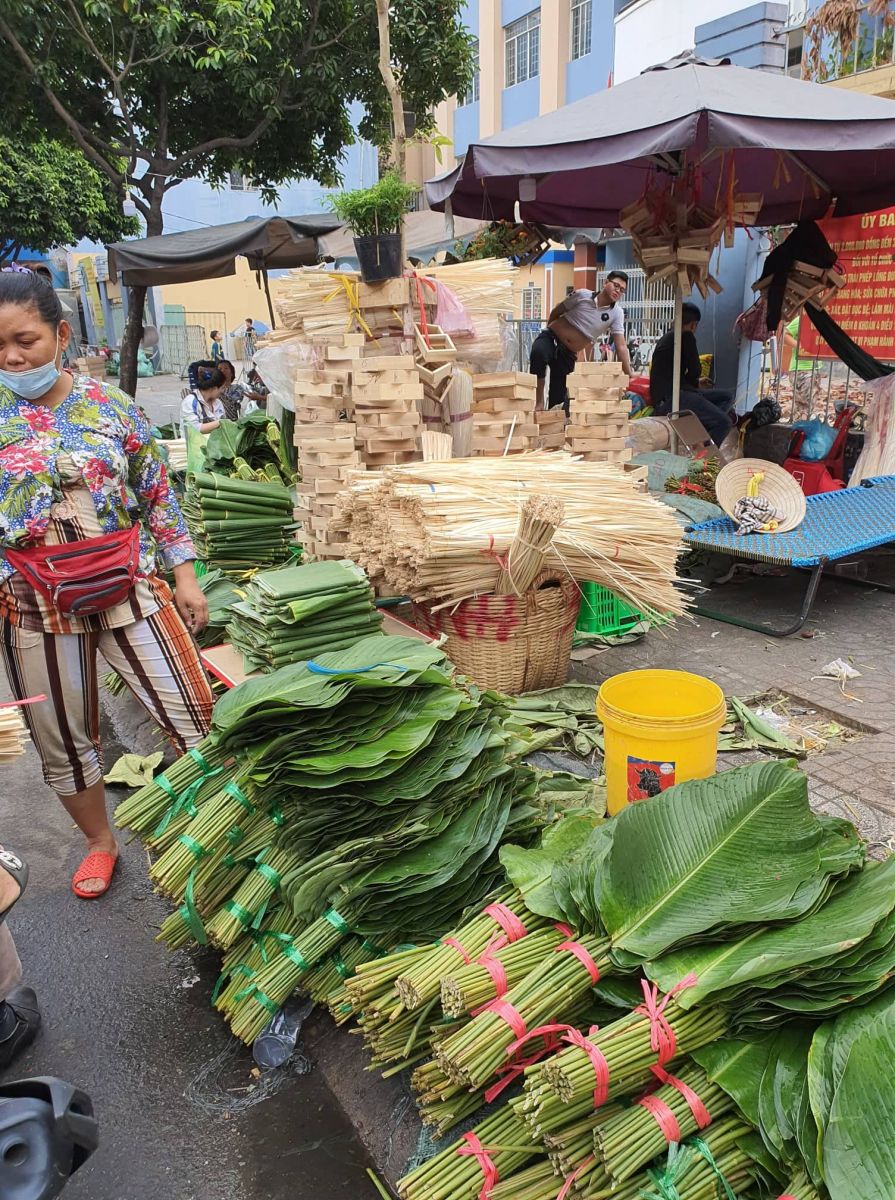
(131, 338)
(399, 142)
(136, 301)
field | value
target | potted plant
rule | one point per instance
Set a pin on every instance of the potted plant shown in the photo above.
(374, 215)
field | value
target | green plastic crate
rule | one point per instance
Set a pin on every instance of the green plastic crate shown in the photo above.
(602, 611)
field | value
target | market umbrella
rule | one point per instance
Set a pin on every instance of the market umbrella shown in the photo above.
(802, 146)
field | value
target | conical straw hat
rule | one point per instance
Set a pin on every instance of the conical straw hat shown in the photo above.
(778, 486)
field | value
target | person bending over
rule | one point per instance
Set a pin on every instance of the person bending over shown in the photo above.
(711, 405)
(573, 325)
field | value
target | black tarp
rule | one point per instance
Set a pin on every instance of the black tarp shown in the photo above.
(269, 243)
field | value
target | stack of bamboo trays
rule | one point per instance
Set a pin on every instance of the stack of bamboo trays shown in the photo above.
(599, 415)
(441, 531)
(325, 438)
(385, 392)
(503, 408)
(551, 424)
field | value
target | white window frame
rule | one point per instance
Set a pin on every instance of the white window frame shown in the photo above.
(581, 29)
(473, 92)
(522, 49)
(532, 302)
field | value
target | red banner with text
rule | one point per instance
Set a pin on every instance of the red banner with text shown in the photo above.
(865, 307)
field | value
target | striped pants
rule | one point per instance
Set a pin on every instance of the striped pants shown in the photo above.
(156, 657)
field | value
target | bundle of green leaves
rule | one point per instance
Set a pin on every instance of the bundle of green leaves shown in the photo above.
(299, 612)
(239, 525)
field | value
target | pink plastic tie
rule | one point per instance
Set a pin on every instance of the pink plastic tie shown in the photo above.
(570, 1179)
(601, 1067)
(662, 1037)
(583, 957)
(507, 920)
(701, 1114)
(663, 1116)
(476, 1150)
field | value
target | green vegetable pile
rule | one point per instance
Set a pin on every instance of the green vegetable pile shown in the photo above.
(361, 796)
(299, 612)
(251, 448)
(689, 1001)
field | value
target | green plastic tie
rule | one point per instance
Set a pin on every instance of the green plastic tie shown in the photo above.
(237, 793)
(273, 877)
(242, 915)
(338, 922)
(195, 848)
(339, 963)
(190, 913)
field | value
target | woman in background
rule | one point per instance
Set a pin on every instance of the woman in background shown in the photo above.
(202, 407)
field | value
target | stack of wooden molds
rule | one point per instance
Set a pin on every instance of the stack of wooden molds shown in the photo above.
(325, 435)
(551, 424)
(503, 413)
(805, 284)
(598, 425)
(385, 393)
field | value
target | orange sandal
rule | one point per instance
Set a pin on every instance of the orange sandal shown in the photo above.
(98, 865)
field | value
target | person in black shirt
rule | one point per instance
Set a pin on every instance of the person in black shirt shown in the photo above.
(548, 351)
(711, 405)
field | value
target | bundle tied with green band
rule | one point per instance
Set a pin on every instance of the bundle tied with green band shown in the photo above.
(301, 612)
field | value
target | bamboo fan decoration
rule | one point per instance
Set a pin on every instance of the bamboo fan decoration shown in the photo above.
(441, 531)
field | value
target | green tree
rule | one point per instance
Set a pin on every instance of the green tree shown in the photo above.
(157, 91)
(50, 195)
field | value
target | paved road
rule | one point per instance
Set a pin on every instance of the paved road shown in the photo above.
(129, 1022)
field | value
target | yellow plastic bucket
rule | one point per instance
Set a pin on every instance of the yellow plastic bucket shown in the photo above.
(660, 728)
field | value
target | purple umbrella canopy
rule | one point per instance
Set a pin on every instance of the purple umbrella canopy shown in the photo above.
(801, 146)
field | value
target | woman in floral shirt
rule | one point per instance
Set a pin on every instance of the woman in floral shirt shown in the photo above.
(77, 461)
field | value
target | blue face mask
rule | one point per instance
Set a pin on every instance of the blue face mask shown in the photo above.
(33, 384)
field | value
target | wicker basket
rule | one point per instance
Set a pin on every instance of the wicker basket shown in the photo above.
(510, 643)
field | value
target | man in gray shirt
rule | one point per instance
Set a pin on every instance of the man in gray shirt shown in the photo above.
(576, 323)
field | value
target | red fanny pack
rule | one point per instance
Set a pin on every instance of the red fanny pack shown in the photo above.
(85, 577)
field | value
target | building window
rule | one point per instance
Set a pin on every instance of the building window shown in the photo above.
(581, 28)
(239, 183)
(531, 303)
(472, 92)
(523, 48)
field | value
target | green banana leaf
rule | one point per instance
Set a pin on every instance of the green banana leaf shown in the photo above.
(737, 1065)
(740, 848)
(724, 971)
(858, 1144)
(531, 871)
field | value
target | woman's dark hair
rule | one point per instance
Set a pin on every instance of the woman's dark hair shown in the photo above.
(208, 377)
(225, 362)
(28, 290)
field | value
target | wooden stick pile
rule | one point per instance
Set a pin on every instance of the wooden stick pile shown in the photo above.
(539, 520)
(442, 531)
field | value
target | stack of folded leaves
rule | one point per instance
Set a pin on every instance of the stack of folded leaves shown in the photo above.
(298, 612)
(238, 525)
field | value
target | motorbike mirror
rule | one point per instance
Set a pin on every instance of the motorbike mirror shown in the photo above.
(47, 1131)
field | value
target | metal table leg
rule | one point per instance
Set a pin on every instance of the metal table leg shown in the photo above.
(770, 630)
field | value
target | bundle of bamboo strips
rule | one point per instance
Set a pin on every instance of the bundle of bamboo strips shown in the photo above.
(539, 520)
(442, 531)
(13, 734)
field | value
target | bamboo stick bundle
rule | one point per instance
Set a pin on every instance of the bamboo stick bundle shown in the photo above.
(13, 734)
(442, 529)
(540, 518)
(458, 413)
(437, 447)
